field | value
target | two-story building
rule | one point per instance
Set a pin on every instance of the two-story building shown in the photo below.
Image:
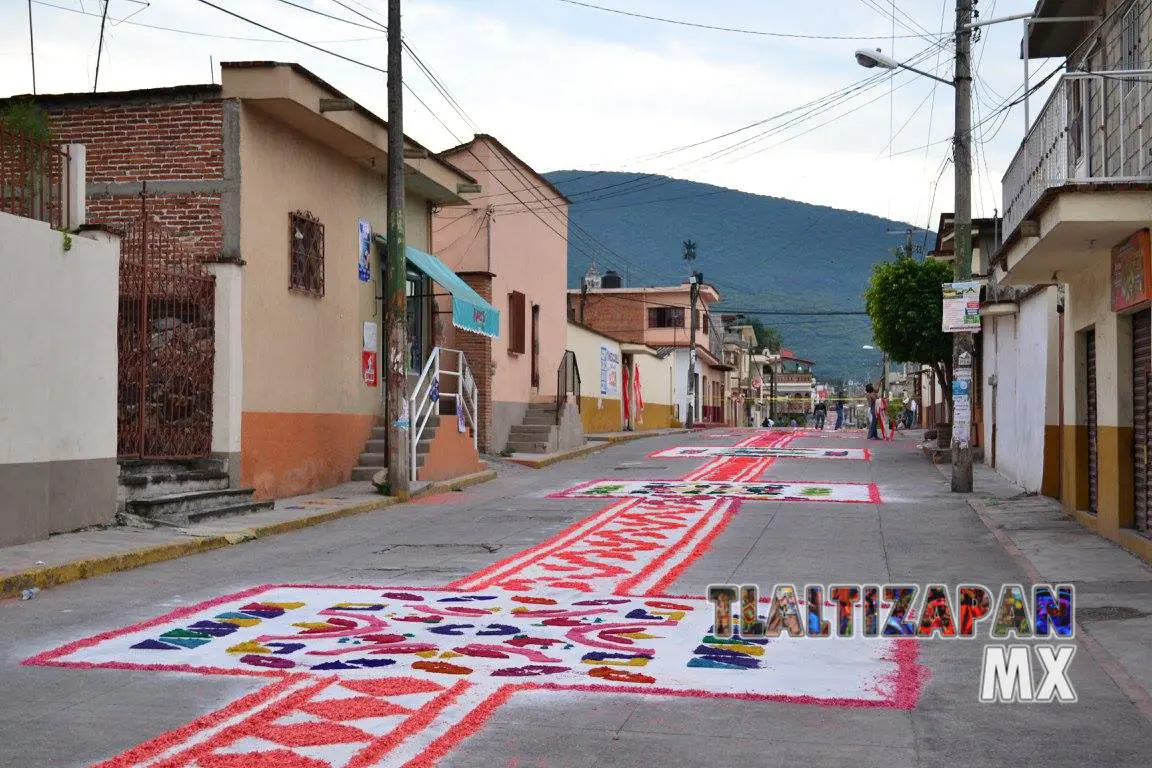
(251, 278)
(791, 382)
(1077, 211)
(660, 317)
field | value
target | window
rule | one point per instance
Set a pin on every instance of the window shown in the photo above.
(516, 306)
(666, 317)
(305, 254)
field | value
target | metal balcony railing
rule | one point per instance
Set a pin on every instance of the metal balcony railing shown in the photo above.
(1092, 130)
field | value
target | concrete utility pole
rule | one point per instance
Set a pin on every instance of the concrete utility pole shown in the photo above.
(395, 301)
(694, 291)
(962, 343)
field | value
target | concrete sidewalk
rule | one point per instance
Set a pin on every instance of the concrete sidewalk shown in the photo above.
(68, 557)
(595, 442)
(1113, 586)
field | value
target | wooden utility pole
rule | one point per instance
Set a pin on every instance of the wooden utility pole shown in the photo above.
(694, 292)
(963, 343)
(395, 300)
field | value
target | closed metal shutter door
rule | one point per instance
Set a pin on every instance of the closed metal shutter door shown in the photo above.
(1093, 464)
(1141, 415)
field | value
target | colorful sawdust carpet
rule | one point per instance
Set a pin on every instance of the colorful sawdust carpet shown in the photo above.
(854, 493)
(376, 675)
(690, 452)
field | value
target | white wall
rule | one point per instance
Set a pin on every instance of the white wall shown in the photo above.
(1017, 349)
(57, 379)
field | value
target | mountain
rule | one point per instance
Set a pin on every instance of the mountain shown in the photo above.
(761, 253)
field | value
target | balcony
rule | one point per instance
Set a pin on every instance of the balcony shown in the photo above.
(1091, 135)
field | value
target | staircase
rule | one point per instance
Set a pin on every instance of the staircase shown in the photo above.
(538, 432)
(182, 492)
(375, 456)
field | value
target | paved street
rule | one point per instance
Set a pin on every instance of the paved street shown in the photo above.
(548, 618)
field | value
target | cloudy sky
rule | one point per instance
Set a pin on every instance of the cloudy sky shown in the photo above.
(567, 86)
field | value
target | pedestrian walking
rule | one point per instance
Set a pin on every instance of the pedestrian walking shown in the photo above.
(870, 393)
(821, 414)
(840, 412)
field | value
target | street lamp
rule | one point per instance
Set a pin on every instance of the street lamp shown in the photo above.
(872, 59)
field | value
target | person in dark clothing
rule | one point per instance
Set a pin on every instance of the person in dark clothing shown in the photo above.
(870, 391)
(821, 414)
(840, 413)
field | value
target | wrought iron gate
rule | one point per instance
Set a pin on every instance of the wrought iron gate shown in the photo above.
(166, 330)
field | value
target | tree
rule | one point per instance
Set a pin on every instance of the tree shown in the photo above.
(905, 303)
(766, 336)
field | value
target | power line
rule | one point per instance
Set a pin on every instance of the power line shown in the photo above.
(188, 31)
(100, 45)
(715, 28)
(293, 39)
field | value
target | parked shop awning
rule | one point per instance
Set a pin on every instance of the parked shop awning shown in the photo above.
(469, 311)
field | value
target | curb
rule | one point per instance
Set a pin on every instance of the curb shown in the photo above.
(593, 446)
(1112, 667)
(79, 570)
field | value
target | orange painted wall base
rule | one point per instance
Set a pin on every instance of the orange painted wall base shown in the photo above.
(450, 455)
(287, 454)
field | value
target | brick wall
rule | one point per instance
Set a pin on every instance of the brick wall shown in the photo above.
(162, 141)
(623, 318)
(477, 350)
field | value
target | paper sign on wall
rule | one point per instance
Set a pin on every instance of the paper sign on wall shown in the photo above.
(371, 337)
(364, 241)
(962, 307)
(369, 368)
(609, 372)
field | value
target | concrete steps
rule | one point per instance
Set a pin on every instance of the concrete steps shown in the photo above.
(192, 506)
(537, 432)
(375, 455)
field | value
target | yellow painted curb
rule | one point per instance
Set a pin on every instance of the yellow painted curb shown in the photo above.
(78, 570)
(596, 445)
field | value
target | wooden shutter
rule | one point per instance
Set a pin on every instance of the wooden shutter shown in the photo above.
(1142, 416)
(516, 305)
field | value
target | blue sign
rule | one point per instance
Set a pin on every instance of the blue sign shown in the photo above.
(365, 245)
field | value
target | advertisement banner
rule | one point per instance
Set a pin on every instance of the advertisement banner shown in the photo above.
(962, 405)
(609, 372)
(364, 239)
(962, 307)
(369, 369)
(1131, 272)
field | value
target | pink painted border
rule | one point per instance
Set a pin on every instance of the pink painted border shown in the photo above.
(873, 490)
(866, 457)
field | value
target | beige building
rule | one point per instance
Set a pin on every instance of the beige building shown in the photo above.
(1078, 205)
(274, 183)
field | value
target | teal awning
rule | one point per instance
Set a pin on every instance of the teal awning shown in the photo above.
(469, 310)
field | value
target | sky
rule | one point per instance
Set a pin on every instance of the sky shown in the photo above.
(571, 87)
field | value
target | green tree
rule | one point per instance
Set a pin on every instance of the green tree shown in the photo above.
(905, 303)
(766, 336)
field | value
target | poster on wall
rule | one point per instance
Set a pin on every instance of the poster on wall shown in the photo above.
(364, 242)
(962, 408)
(1131, 272)
(369, 369)
(962, 307)
(371, 337)
(609, 372)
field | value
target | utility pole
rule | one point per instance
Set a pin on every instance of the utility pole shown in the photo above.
(694, 291)
(395, 303)
(962, 343)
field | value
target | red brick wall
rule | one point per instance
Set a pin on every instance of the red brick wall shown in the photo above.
(164, 141)
(621, 318)
(477, 350)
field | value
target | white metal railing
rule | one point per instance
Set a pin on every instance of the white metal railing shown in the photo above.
(422, 405)
(1090, 131)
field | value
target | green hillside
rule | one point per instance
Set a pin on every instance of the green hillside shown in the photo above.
(762, 253)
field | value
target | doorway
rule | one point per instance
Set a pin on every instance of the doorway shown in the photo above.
(1142, 418)
(1090, 418)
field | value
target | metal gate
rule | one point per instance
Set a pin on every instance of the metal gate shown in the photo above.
(166, 330)
(1093, 461)
(1142, 416)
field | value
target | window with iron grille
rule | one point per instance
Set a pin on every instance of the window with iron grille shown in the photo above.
(666, 317)
(305, 254)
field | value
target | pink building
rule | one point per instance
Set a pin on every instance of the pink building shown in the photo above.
(511, 246)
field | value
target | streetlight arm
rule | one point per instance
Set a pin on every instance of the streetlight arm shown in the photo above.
(927, 74)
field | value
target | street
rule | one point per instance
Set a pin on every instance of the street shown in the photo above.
(548, 618)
